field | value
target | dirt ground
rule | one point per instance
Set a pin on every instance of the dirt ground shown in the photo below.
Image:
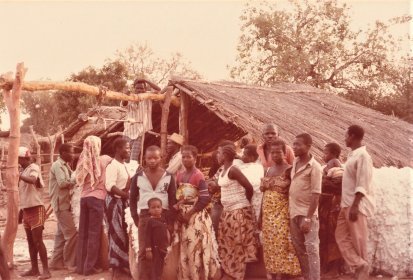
(22, 259)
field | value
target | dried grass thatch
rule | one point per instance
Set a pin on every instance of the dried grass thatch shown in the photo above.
(228, 110)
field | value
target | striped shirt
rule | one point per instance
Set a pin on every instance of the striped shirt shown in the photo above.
(232, 193)
(197, 180)
(140, 112)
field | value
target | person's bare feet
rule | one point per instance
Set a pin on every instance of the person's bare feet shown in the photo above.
(45, 275)
(29, 273)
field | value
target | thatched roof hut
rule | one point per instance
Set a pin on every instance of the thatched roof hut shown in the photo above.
(224, 110)
(228, 110)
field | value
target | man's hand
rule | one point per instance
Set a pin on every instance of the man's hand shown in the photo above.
(306, 225)
(353, 213)
(148, 255)
(212, 187)
(187, 216)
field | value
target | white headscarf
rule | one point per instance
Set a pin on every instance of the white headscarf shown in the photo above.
(88, 163)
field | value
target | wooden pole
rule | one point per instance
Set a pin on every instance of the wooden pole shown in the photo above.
(38, 150)
(183, 117)
(12, 100)
(6, 83)
(164, 123)
(2, 188)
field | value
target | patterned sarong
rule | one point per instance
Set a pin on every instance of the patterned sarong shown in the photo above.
(236, 240)
(118, 237)
(197, 247)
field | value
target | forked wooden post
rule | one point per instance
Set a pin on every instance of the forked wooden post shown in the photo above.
(183, 117)
(38, 150)
(164, 124)
(12, 99)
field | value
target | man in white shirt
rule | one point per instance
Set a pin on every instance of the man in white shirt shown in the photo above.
(357, 203)
(173, 148)
(141, 113)
(118, 184)
(254, 172)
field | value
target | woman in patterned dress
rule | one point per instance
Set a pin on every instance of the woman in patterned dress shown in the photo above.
(236, 239)
(193, 232)
(279, 253)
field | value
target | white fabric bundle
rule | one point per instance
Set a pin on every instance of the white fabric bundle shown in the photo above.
(391, 228)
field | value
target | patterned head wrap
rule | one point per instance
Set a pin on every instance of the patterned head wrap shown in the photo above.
(89, 161)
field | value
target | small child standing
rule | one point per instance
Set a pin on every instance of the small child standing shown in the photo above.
(329, 208)
(333, 168)
(156, 238)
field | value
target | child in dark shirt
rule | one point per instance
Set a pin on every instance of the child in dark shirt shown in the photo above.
(156, 238)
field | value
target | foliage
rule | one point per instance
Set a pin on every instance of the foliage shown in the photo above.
(136, 61)
(312, 42)
(141, 62)
(63, 107)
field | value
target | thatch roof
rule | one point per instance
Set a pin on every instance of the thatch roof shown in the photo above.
(223, 110)
(78, 130)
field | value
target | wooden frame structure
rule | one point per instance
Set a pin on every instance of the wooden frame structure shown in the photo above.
(12, 88)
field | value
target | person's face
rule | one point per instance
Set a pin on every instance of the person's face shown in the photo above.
(124, 151)
(246, 158)
(269, 134)
(171, 146)
(140, 88)
(155, 208)
(67, 156)
(327, 155)
(220, 156)
(348, 139)
(188, 159)
(277, 154)
(24, 161)
(153, 159)
(299, 147)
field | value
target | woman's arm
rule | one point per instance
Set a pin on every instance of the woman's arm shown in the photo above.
(133, 199)
(235, 174)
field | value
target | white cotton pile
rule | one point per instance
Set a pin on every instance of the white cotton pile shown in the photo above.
(132, 229)
(75, 203)
(391, 228)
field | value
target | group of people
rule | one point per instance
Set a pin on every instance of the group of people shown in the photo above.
(191, 227)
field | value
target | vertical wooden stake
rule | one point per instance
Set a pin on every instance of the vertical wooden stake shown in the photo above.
(12, 100)
(164, 124)
(183, 117)
(1, 167)
(38, 151)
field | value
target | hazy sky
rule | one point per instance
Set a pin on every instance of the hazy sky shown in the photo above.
(55, 39)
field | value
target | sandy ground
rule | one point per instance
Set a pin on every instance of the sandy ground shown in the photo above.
(22, 259)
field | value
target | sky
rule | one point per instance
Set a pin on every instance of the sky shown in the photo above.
(55, 39)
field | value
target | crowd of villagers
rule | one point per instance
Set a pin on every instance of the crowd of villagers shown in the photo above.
(272, 201)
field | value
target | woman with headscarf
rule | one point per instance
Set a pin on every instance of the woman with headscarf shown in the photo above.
(237, 244)
(90, 177)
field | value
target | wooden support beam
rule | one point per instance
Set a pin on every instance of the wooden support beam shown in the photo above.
(7, 82)
(164, 122)
(53, 141)
(12, 99)
(183, 117)
(38, 150)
